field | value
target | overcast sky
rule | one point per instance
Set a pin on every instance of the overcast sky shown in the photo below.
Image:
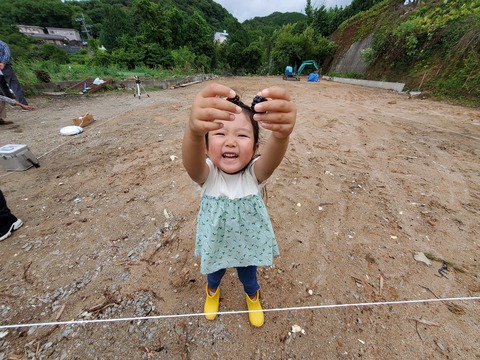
(248, 9)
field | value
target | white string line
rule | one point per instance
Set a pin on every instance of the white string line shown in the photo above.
(314, 307)
(73, 138)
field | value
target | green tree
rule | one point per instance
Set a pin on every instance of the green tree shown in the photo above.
(176, 19)
(49, 52)
(321, 21)
(129, 53)
(252, 55)
(46, 13)
(153, 54)
(235, 53)
(18, 43)
(102, 58)
(310, 12)
(183, 58)
(199, 36)
(288, 48)
(151, 22)
(116, 23)
(291, 47)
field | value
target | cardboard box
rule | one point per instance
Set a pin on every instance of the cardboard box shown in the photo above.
(17, 157)
(84, 120)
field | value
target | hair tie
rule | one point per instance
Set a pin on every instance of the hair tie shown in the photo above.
(257, 99)
(235, 100)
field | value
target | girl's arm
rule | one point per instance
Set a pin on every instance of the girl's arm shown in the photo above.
(209, 107)
(280, 116)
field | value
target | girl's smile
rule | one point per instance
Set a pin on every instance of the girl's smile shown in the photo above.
(232, 147)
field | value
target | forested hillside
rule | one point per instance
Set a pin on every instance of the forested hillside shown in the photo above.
(428, 44)
(275, 20)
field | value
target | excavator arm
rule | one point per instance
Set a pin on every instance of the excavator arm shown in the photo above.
(306, 63)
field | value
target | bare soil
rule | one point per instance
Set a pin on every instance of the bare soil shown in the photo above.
(371, 178)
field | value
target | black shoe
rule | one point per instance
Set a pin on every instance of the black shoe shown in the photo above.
(5, 122)
(6, 231)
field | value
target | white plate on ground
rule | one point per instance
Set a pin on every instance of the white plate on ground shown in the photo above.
(71, 130)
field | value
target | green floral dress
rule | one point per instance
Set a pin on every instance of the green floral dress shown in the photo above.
(233, 225)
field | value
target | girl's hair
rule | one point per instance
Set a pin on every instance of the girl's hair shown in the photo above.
(249, 111)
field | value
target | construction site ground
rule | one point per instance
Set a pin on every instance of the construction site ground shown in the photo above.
(376, 210)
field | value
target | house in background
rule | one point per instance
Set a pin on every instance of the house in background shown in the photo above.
(54, 39)
(70, 34)
(38, 33)
(67, 39)
(30, 30)
(220, 37)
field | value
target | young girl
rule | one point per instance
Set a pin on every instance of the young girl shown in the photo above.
(233, 226)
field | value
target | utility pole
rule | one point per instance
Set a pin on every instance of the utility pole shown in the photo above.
(84, 25)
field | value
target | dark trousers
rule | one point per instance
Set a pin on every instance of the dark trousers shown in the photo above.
(4, 89)
(6, 217)
(247, 275)
(13, 83)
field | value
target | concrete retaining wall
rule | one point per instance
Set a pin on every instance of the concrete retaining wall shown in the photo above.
(370, 83)
(165, 84)
(352, 60)
(125, 84)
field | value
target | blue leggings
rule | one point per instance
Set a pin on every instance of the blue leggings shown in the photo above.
(247, 275)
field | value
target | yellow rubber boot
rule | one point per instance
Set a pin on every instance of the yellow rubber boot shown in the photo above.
(256, 318)
(211, 304)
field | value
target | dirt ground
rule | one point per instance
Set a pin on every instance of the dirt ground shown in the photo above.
(372, 177)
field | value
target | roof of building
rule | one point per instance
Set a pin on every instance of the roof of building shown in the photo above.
(57, 28)
(49, 37)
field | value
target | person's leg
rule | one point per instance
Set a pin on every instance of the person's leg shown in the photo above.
(4, 210)
(4, 89)
(214, 279)
(8, 221)
(3, 111)
(248, 277)
(3, 106)
(13, 84)
(213, 294)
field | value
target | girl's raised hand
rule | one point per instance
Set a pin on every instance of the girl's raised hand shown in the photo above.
(210, 105)
(280, 112)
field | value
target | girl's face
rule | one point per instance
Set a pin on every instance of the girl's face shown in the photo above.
(232, 147)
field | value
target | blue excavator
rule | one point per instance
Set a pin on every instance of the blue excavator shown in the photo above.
(291, 75)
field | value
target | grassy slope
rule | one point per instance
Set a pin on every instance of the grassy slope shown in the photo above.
(431, 46)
